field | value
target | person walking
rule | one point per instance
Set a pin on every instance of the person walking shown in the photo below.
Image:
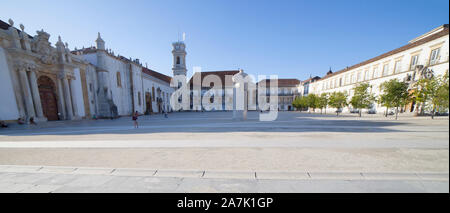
(135, 118)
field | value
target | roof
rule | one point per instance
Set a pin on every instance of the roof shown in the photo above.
(4, 25)
(432, 37)
(220, 74)
(312, 79)
(284, 82)
(157, 75)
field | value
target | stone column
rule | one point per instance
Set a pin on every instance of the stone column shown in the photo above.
(74, 100)
(61, 103)
(36, 96)
(27, 94)
(67, 99)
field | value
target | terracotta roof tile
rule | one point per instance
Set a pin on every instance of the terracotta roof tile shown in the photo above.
(221, 75)
(284, 82)
(157, 75)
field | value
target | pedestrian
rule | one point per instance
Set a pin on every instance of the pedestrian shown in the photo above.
(32, 121)
(3, 124)
(165, 114)
(20, 121)
(135, 117)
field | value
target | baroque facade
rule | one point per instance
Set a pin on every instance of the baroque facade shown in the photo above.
(426, 54)
(43, 82)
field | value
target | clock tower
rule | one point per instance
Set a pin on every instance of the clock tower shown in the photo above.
(179, 58)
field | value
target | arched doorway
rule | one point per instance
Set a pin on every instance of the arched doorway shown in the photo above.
(48, 98)
(148, 103)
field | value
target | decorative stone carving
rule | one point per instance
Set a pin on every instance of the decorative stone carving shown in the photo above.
(27, 66)
(41, 45)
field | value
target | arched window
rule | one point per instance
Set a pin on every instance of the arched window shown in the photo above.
(139, 98)
(119, 80)
(178, 59)
(153, 93)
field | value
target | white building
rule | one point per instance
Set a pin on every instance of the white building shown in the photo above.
(431, 50)
(44, 82)
(286, 91)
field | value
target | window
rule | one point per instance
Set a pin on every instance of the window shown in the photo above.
(375, 72)
(340, 82)
(139, 98)
(414, 60)
(153, 93)
(366, 75)
(347, 80)
(178, 59)
(353, 77)
(398, 67)
(359, 76)
(119, 80)
(434, 56)
(385, 69)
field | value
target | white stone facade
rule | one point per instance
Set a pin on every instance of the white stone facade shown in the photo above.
(43, 82)
(430, 50)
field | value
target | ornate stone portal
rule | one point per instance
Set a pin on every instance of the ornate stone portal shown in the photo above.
(43, 74)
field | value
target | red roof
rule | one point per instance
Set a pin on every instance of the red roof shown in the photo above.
(221, 74)
(157, 75)
(284, 82)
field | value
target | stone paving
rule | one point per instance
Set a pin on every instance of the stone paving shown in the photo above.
(45, 179)
(298, 149)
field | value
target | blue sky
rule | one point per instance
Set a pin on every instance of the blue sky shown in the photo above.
(293, 39)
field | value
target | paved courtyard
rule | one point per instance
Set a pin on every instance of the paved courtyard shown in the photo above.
(288, 152)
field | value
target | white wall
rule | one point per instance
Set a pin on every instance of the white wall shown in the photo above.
(404, 57)
(78, 92)
(8, 106)
(148, 83)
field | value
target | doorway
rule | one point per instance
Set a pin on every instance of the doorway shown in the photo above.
(48, 98)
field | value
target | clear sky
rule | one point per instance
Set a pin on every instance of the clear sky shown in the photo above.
(294, 39)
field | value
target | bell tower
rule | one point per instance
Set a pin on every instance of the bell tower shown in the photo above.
(179, 58)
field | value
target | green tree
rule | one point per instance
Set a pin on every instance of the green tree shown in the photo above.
(338, 100)
(312, 101)
(442, 95)
(362, 98)
(438, 93)
(395, 94)
(299, 103)
(434, 92)
(323, 102)
(422, 94)
(296, 103)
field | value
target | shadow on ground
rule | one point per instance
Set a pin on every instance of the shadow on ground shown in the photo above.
(209, 122)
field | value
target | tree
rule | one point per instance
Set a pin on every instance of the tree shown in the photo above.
(441, 100)
(312, 101)
(432, 91)
(299, 102)
(395, 94)
(422, 94)
(362, 98)
(338, 100)
(323, 102)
